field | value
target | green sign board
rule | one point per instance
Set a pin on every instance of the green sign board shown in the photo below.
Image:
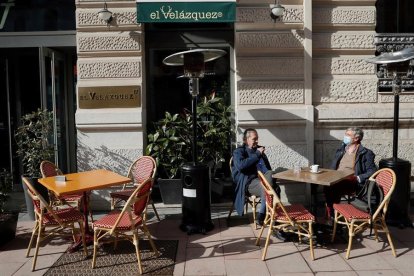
(185, 11)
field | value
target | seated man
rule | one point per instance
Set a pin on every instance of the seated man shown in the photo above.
(350, 156)
(247, 160)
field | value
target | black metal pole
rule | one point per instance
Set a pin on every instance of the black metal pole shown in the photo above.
(194, 109)
(395, 132)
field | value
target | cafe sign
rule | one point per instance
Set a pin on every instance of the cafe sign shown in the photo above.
(186, 11)
(109, 97)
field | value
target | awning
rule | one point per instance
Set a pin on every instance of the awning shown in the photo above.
(186, 11)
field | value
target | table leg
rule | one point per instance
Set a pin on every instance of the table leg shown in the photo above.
(88, 233)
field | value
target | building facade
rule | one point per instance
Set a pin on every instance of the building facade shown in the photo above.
(301, 80)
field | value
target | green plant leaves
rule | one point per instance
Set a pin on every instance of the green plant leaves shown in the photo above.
(171, 141)
(33, 138)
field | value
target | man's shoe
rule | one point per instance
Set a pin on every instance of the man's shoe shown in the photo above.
(260, 219)
(280, 235)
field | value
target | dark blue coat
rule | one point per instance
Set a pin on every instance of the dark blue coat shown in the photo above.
(364, 162)
(244, 169)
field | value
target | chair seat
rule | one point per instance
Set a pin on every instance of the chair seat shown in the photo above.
(296, 212)
(124, 194)
(350, 212)
(65, 215)
(108, 221)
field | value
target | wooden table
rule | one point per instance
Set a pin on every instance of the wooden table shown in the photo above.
(325, 177)
(84, 182)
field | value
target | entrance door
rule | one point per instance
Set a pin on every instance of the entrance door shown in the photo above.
(32, 78)
(6, 161)
(58, 97)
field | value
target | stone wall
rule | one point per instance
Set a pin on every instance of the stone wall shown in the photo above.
(300, 80)
(109, 55)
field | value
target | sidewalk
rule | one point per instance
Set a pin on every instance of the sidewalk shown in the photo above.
(229, 249)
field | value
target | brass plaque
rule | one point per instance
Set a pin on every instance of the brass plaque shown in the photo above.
(109, 97)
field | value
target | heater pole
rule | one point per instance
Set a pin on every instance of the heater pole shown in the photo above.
(194, 108)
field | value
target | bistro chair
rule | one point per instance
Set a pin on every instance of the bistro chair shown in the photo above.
(140, 170)
(57, 220)
(126, 224)
(291, 218)
(357, 221)
(249, 199)
(49, 169)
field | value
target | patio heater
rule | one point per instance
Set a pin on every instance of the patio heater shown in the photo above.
(397, 66)
(195, 176)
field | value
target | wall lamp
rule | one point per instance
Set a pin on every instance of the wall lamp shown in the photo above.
(276, 10)
(105, 15)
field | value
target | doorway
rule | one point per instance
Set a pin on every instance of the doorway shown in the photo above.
(35, 78)
(166, 89)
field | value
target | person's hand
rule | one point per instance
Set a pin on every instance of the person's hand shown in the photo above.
(261, 149)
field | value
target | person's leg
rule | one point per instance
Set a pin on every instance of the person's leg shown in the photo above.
(255, 188)
(334, 193)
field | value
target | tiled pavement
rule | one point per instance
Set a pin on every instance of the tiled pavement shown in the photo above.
(231, 250)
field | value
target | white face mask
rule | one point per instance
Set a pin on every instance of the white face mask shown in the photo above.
(347, 140)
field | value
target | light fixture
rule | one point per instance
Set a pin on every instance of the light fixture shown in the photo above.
(105, 15)
(276, 10)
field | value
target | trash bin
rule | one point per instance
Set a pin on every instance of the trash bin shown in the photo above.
(398, 210)
(196, 198)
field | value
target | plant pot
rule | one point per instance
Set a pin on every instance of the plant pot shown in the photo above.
(171, 190)
(8, 224)
(29, 203)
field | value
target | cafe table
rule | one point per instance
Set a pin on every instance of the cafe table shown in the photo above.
(83, 182)
(324, 177)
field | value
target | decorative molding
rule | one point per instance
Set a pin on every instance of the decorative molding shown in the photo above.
(344, 15)
(89, 17)
(270, 92)
(276, 67)
(262, 15)
(95, 69)
(344, 91)
(343, 40)
(403, 98)
(272, 40)
(94, 42)
(390, 43)
(342, 66)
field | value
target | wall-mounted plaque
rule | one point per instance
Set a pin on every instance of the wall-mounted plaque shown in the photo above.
(109, 97)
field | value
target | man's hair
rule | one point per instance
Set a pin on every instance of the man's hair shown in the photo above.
(357, 132)
(246, 133)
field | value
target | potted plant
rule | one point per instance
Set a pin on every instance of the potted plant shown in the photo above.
(33, 146)
(8, 220)
(170, 142)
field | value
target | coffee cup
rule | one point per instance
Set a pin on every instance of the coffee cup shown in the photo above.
(314, 168)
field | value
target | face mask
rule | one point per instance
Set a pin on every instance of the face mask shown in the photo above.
(347, 140)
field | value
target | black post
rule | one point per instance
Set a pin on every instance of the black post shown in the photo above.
(194, 109)
(395, 132)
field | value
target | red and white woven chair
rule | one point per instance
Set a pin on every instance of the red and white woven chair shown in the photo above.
(140, 170)
(249, 199)
(126, 223)
(291, 218)
(57, 220)
(48, 169)
(357, 221)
